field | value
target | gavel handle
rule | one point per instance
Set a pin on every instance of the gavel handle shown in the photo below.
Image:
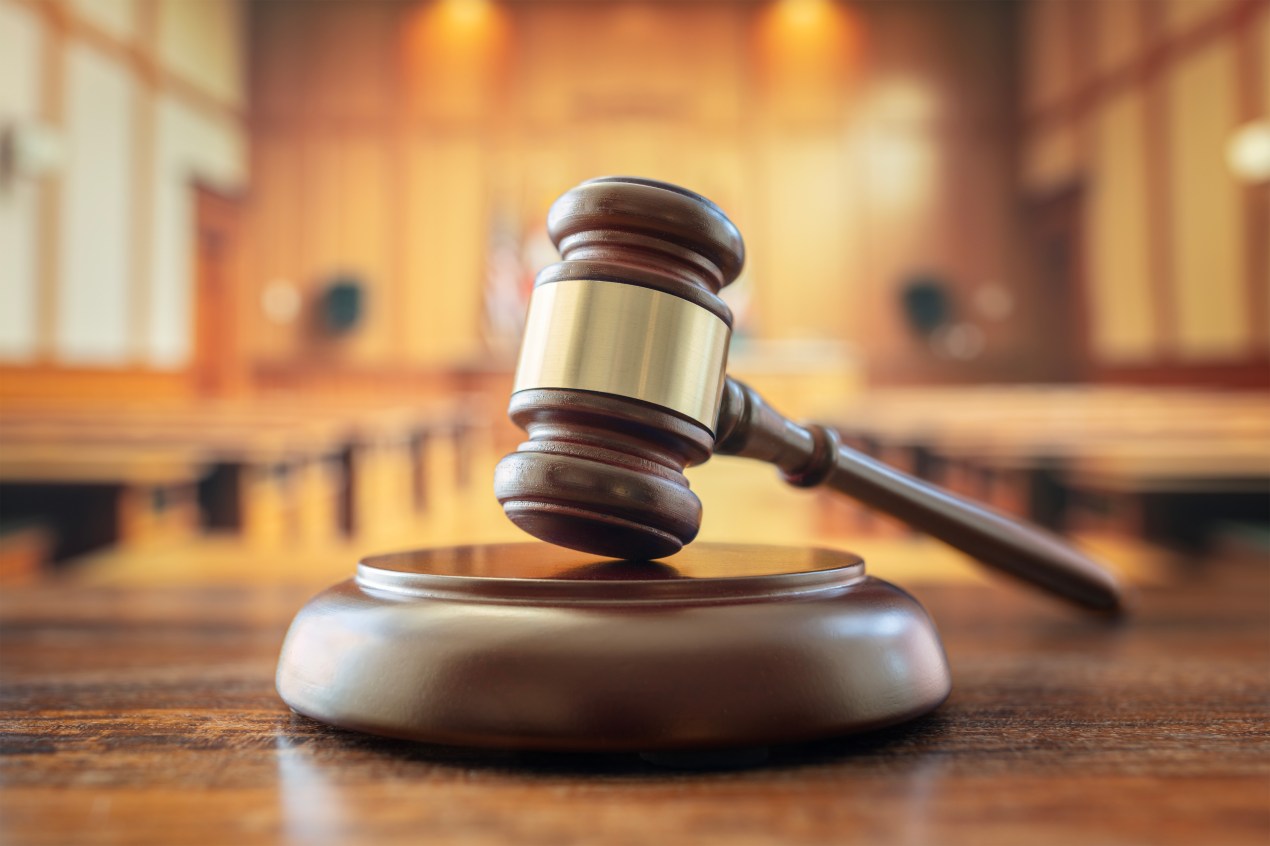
(813, 455)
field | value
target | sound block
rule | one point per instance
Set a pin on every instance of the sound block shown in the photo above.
(529, 646)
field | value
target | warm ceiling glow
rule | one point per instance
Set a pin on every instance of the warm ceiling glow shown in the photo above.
(467, 14)
(805, 43)
(453, 55)
(1248, 152)
(804, 13)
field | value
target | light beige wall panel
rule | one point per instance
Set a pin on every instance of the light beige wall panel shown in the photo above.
(1208, 248)
(202, 42)
(344, 224)
(22, 47)
(320, 200)
(657, 148)
(365, 206)
(1117, 32)
(1120, 292)
(544, 168)
(446, 249)
(1048, 71)
(203, 145)
(95, 261)
(191, 147)
(803, 285)
(119, 18)
(275, 235)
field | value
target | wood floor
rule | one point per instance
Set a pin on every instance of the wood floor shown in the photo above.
(147, 715)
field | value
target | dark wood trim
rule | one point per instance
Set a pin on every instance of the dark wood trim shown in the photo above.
(1159, 186)
(217, 362)
(1253, 374)
(1081, 40)
(345, 379)
(1159, 53)
(1059, 214)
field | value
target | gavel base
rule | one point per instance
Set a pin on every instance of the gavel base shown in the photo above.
(528, 646)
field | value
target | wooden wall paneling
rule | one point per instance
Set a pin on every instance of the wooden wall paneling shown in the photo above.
(366, 182)
(218, 356)
(1252, 45)
(121, 19)
(321, 236)
(1049, 159)
(974, 129)
(98, 196)
(1182, 15)
(1082, 61)
(806, 55)
(142, 25)
(570, 90)
(275, 241)
(203, 43)
(95, 227)
(720, 93)
(455, 59)
(277, 85)
(398, 151)
(48, 227)
(349, 73)
(192, 146)
(24, 49)
(1207, 234)
(1048, 73)
(809, 237)
(1122, 319)
(1157, 156)
(1261, 42)
(1117, 34)
(1201, 228)
(808, 231)
(446, 223)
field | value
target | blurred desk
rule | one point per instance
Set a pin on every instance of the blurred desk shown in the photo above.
(147, 715)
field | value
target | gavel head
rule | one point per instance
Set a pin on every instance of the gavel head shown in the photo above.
(622, 369)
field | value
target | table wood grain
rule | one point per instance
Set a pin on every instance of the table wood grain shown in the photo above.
(148, 716)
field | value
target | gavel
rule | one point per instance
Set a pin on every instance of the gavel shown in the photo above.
(622, 384)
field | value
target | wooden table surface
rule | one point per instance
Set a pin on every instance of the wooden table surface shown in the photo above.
(147, 715)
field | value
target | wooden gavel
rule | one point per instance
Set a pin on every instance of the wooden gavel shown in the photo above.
(622, 384)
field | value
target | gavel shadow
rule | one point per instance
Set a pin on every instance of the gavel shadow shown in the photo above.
(324, 746)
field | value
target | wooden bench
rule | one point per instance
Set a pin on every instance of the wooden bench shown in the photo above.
(276, 470)
(1060, 456)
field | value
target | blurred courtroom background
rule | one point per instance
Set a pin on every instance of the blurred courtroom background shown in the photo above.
(263, 264)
